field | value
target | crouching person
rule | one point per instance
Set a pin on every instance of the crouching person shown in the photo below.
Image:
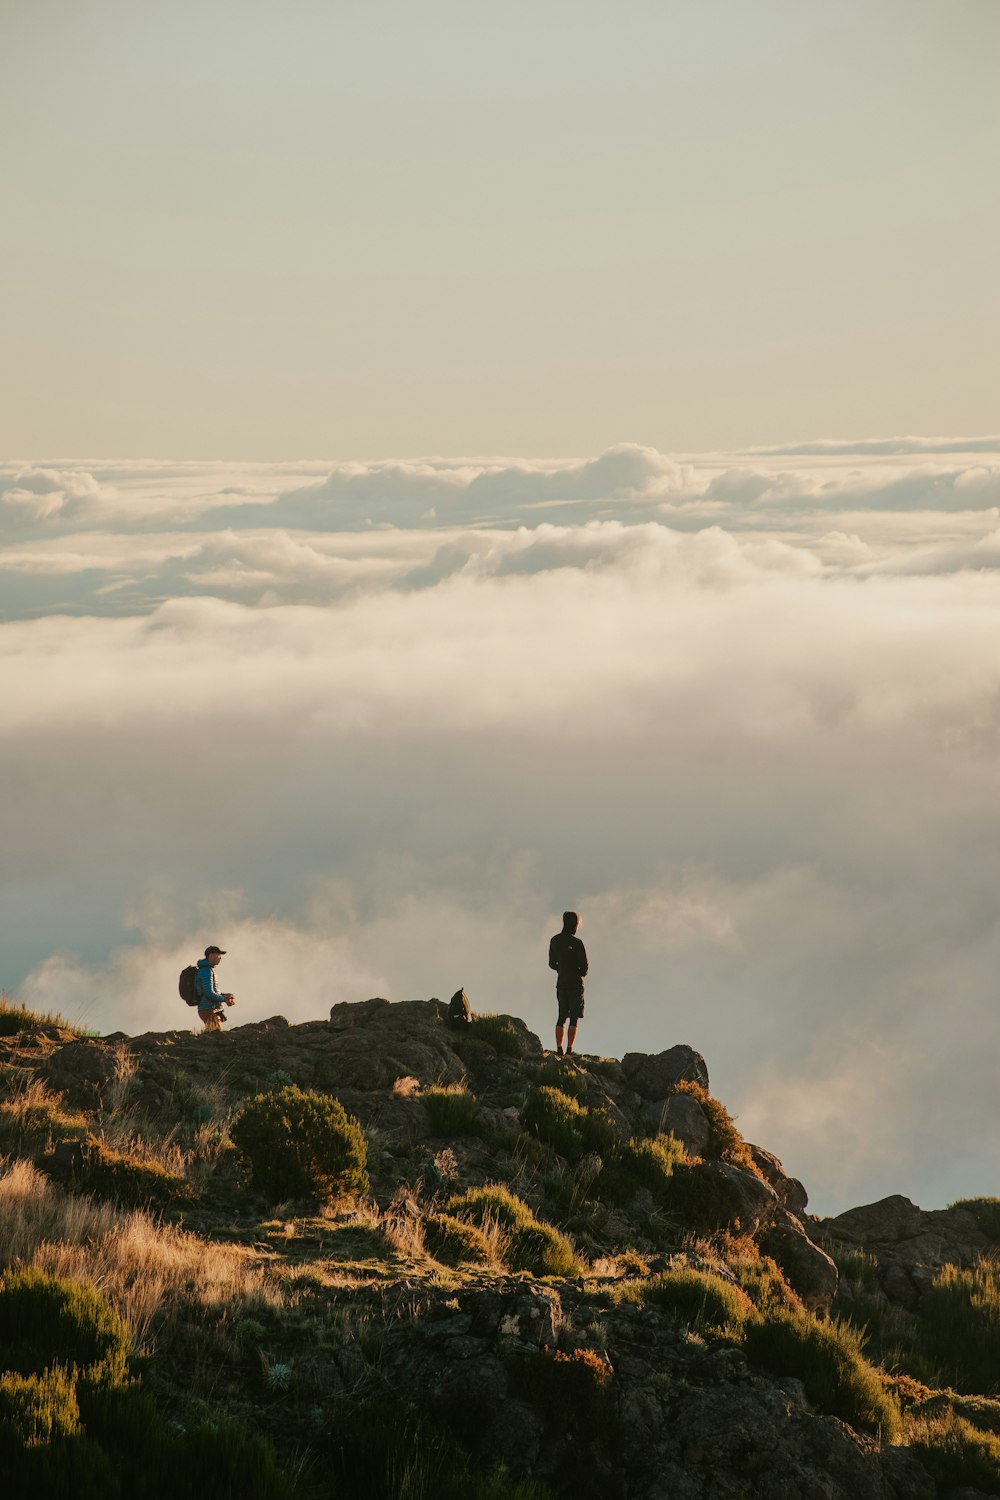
(459, 1010)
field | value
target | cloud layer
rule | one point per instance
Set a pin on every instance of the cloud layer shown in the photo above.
(373, 727)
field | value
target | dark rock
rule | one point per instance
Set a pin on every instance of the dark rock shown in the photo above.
(888, 1219)
(790, 1191)
(898, 1285)
(758, 1202)
(655, 1075)
(684, 1117)
(81, 1070)
(808, 1270)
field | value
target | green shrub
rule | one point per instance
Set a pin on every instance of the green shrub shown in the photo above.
(224, 1460)
(133, 1181)
(46, 1319)
(455, 1241)
(565, 1077)
(891, 1335)
(827, 1358)
(985, 1211)
(299, 1143)
(956, 1455)
(650, 1163)
(37, 1409)
(532, 1245)
(959, 1327)
(384, 1449)
(703, 1198)
(556, 1119)
(760, 1277)
(704, 1302)
(565, 1386)
(451, 1111)
(599, 1131)
(499, 1031)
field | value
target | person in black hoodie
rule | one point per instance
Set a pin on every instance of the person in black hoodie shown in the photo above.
(568, 957)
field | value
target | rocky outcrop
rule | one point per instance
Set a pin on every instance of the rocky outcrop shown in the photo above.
(656, 1075)
(809, 1270)
(558, 1381)
(910, 1244)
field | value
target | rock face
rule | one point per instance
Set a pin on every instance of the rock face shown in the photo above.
(910, 1244)
(670, 1420)
(808, 1270)
(80, 1071)
(655, 1075)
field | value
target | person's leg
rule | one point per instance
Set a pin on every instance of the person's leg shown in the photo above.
(559, 1037)
(570, 1037)
(211, 1020)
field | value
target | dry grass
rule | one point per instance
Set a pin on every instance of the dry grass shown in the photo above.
(149, 1271)
(33, 1117)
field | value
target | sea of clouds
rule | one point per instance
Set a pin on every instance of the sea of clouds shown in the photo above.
(373, 726)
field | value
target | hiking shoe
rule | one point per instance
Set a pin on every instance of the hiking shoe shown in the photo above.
(570, 1052)
(559, 1052)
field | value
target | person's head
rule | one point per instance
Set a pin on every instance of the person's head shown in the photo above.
(570, 921)
(214, 955)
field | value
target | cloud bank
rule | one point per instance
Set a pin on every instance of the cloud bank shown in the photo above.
(372, 727)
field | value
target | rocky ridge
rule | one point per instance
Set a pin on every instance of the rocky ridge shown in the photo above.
(563, 1381)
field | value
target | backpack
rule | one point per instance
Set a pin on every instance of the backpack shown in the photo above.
(187, 985)
(459, 1009)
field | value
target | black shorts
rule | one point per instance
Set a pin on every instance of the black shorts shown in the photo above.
(570, 1006)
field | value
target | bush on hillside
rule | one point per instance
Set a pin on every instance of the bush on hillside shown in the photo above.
(702, 1198)
(451, 1111)
(40, 1314)
(455, 1241)
(553, 1117)
(985, 1211)
(130, 1179)
(650, 1163)
(299, 1143)
(73, 1421)
(958, 1455)
(959, 1327)
(499, 1031)
(565, 1077)
(827, 1358)
(532, 1245)
(701, 1300)
(384, 1449)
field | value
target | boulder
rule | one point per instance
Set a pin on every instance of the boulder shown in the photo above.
(81, 1070)
(890, 1218)
(790, 1191)
(808, 1270)
(656, 1075)
(681, 1116)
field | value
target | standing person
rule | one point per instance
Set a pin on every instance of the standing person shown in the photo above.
(568, 957)
(210, 998)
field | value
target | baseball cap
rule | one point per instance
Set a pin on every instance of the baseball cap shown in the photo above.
(212, 948)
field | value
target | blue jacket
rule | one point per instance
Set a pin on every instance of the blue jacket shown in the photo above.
(208, 991)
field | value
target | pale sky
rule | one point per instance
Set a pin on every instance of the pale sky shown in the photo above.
(238, 229)
(688, 617)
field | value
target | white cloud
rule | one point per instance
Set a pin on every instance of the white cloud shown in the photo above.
(752, 737)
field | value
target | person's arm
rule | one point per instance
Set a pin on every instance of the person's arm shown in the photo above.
(582, 958)
(554, 953)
